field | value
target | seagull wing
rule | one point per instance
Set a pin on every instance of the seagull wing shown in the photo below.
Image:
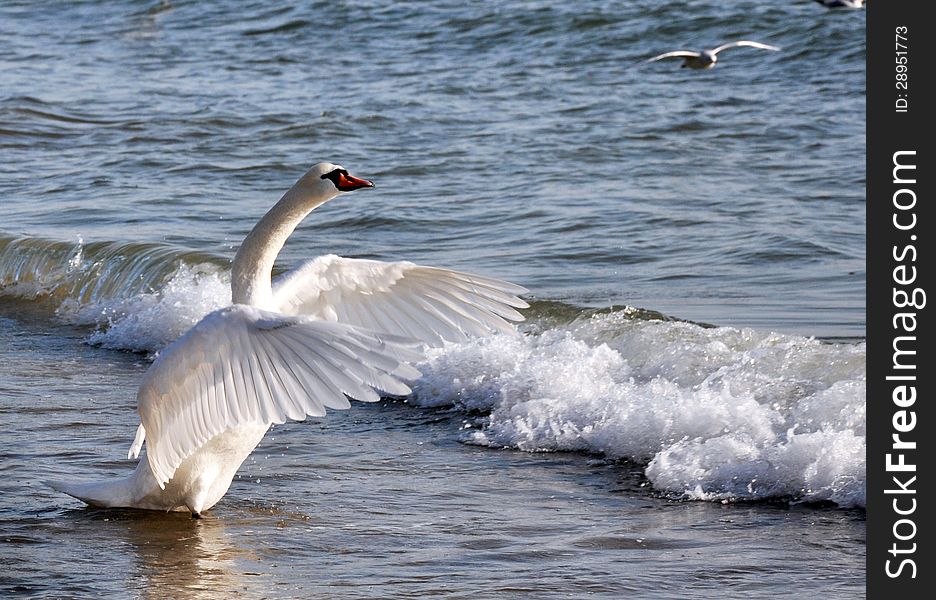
(744, 43)
(675, 54)
(425, 303)
(243, 365)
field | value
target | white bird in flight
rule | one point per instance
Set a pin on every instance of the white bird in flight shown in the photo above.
(842, 3)
(288, 348)
(706, 59)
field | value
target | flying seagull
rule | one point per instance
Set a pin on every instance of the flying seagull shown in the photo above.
(842, 3)
(706, 59)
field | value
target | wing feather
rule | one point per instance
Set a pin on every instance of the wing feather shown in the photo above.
(378, 378)
(210, 383)
(507, 289)
(473, 320)
(356, 313)
(313, 378)
(429, 304)
(335, 380)
(445, 320)
(675, 54)
(243, 365)
(411, 323)
(494, 296)
(480, 298)
(271, 411)
(744, 43)
(286, 381)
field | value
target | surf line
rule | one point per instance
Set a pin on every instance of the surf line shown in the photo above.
(907, 298)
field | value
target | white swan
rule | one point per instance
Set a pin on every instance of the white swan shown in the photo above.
(706, 59)
(331, 328)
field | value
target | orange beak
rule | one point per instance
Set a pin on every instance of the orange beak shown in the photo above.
(347, 183)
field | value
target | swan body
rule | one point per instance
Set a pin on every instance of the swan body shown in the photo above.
(706, 59)
(331, 329)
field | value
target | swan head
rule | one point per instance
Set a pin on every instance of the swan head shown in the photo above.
(327, 180)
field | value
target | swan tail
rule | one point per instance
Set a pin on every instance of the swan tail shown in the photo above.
(137, 442)
(98, 493)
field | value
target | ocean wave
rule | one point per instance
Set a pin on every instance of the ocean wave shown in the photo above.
(136, 297)
(714, 413)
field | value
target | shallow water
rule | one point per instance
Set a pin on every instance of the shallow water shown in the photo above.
(610, 450)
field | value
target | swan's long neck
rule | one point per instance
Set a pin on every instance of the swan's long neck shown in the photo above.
(251, 273)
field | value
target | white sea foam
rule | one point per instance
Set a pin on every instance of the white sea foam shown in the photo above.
(716, 414)
(147, 322)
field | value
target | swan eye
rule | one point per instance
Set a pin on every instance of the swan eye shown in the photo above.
(335, 175)
(344, 181)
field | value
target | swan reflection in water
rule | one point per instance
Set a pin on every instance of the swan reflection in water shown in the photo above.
(175, 556)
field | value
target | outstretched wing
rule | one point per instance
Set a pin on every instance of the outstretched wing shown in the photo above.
(675, 54)
(401, 298)
(744, 43)
(243, 365)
